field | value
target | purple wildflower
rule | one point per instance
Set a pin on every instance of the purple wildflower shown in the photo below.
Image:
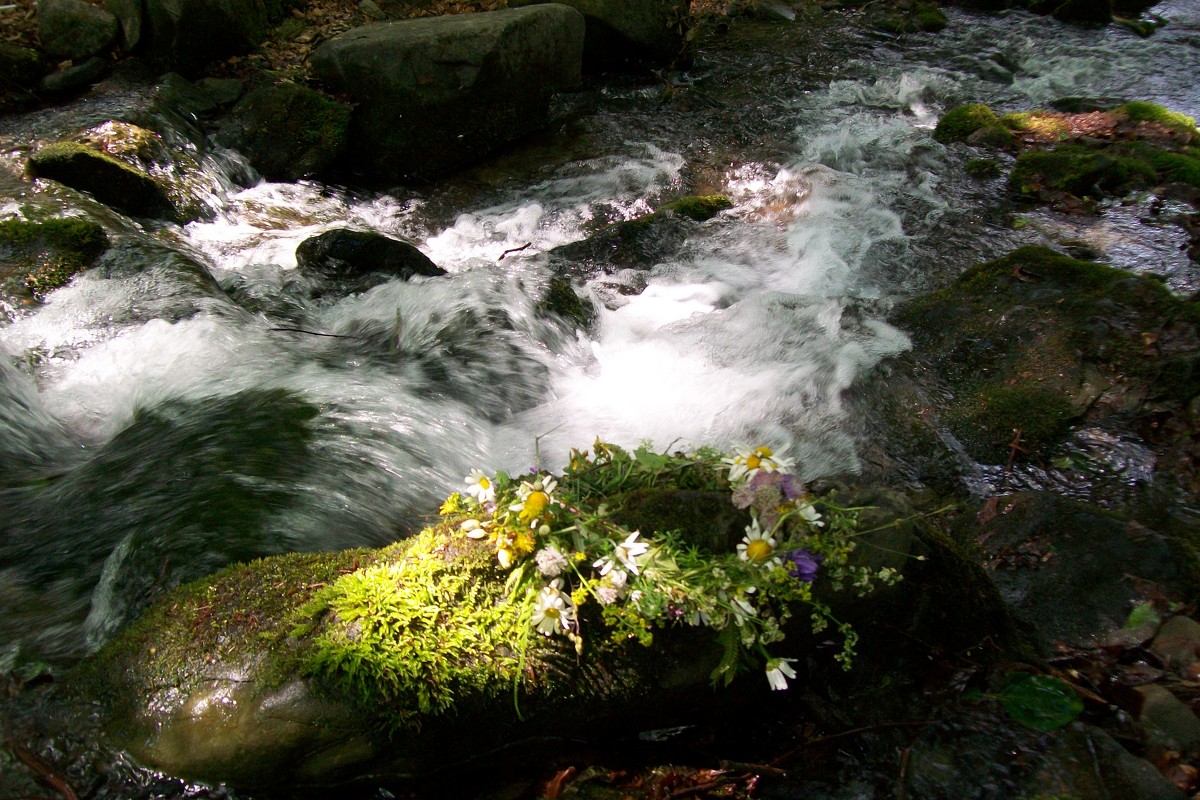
(803, 564)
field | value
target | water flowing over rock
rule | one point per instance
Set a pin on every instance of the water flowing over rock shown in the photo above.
(437, 93)
(351, 258)
(73, 29)
(620, 31)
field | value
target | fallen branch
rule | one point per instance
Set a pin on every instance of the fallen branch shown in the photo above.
(41, 769)
(525, 246)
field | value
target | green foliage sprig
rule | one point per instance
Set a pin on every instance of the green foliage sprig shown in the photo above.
(563, 548)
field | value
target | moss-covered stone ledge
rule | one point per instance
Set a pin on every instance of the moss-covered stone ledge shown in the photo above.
(641, 242)
(128, 168)
(39, 257)
(301, 672)
(1032, 343)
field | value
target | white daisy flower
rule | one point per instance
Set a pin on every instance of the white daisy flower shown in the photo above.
(554, 610)
(625, 553)
(535, 499)
(758, 547)
(480, 486)
(778, 672)
(747, 462)
(810, 515)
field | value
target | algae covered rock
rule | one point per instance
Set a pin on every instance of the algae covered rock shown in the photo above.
(73, 29)
(1032, 342)
(38, 257)
(288, 131)
(129, 168)
(526, 615)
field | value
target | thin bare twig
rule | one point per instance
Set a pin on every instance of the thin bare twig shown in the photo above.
(525, 246)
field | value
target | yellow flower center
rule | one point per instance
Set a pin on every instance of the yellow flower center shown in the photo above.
(535, 504)
(765, 452)
(753, 462)
(484, 483)
(759, 550)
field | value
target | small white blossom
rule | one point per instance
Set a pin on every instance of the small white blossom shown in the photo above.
(551, 562)
(810, 515)
(480, 486)
(627, 553)
(748, 462)
(554, 609)
(778, 672)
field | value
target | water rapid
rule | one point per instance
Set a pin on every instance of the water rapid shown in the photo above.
(191, 401)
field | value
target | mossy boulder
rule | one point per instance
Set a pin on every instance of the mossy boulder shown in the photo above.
(974, 123)
(562, 300)
(350, 260)
(302, 672)
(74, 30)
(1035, 341)
(38, 257)
(129, 168)
(641, 242)
(185, 35)
(106, 178)
(432, 95)
(627, 34)
(288, 131)
(1079, 171)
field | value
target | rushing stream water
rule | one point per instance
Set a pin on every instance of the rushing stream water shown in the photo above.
(156, 426)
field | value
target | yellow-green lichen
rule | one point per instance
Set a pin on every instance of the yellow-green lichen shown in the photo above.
(418, 631)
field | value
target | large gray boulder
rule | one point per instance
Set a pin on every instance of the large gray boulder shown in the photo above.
(73, 29)
(434, 94)
(185, 35)
(620, 31)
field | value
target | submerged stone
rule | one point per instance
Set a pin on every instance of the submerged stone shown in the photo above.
(38, 257)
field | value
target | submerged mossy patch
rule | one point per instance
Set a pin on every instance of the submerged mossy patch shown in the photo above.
(38, 257)
(1081, 171)
(1036, 339)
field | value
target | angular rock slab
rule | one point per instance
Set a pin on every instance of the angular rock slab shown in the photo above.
(435, 94)
(624, 30)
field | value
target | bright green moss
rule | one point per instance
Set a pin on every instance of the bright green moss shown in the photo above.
(958, 124)
(562, 299)
(421, 630)
(699, 207)
(39, 257)
(1045, 124)
(1140, 111)
(1080, 171)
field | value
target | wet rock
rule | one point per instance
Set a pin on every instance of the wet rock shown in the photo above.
(356, 260)
(76, 77)
(1032, 342)
(1178, 643)
(1170, 724)
(1073, 570)
(129, 17)
(638, 243)
(976, 755)
(620, 32)
(19, 66)
(287, 131)
(73, 29)
(185, 35)
(563, 300)
(435, 94)
(38, 257)
(129, 168)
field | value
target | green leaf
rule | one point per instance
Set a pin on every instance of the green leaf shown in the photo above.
(1143, 615)
(1040, 702)
(652, 461)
